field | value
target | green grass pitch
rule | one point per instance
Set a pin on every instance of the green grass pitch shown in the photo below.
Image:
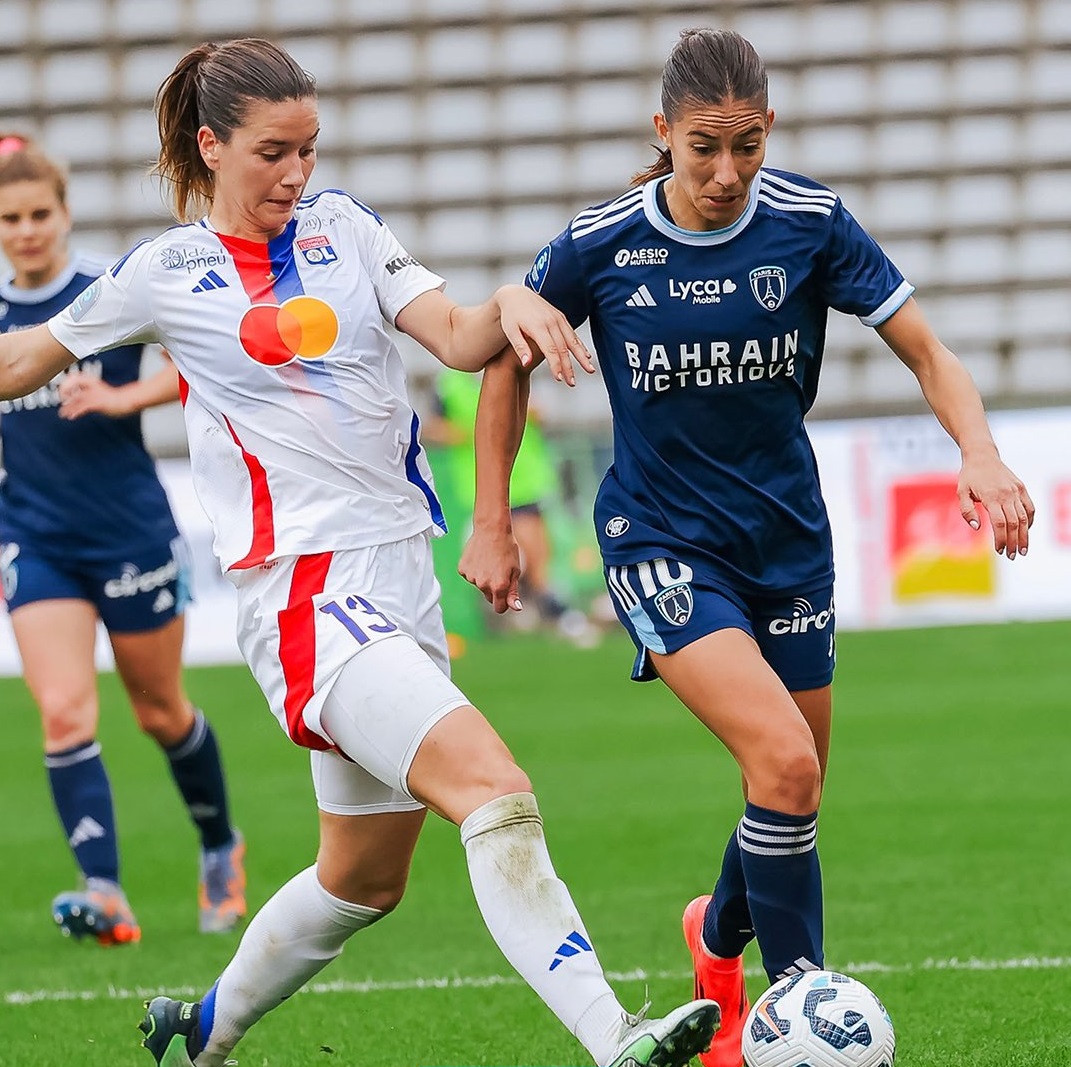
(945, 843)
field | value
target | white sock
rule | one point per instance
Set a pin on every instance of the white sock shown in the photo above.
(529, 913)
(297, 933)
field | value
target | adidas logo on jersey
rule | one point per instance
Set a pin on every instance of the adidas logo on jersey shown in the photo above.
(641, 298)
(209, 282)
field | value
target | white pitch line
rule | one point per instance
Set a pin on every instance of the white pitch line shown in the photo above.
(1024, 963)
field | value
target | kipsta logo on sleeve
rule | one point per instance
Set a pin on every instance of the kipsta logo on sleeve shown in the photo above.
(769, 285)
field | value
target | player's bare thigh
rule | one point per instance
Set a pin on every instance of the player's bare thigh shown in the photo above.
(461, 764)
(149, 663)
(56, 639)
(724, 681)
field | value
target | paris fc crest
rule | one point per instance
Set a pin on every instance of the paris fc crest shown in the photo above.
(675, 604)
(768, 286)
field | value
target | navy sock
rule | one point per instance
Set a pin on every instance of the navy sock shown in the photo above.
(198, 773)
(727, 925)
(784, 888)
(83, 799)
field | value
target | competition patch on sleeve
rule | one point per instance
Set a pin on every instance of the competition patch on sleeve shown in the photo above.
(538, 274)
(84, 301)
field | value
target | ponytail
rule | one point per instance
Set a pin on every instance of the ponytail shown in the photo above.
(662, 166)
(178, 119)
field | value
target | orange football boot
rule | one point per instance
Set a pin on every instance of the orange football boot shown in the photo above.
(720, 980)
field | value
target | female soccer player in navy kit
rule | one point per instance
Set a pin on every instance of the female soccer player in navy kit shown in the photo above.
(86, 533)
(306, 456)
(707, 286)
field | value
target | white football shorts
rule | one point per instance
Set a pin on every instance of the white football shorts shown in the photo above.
(352, 638)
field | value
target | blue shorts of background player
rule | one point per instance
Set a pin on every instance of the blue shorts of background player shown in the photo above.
(666, 605)
(139, 592)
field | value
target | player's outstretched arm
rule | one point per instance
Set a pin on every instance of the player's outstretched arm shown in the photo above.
(491, 560)
(29, 359)
(952, 395)
(465, 338)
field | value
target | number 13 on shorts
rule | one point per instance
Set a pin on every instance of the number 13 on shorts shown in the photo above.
(360, 617)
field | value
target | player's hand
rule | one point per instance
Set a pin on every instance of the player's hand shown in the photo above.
(986, 481)
(491, 561)
(82, 393)
(528, 322)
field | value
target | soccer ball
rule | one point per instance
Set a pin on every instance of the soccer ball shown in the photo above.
(818, 1019)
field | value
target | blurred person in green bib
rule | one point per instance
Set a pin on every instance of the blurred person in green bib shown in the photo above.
(533, 485)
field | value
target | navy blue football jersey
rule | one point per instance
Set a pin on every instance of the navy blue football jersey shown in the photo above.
(83, 488)
(710, 346)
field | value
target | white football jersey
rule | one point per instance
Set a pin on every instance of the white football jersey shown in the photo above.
(301, 435)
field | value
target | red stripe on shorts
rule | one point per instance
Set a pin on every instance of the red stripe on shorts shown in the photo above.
(297, 645)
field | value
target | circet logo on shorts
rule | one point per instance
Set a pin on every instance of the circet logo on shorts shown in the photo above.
(617, 526)
(303, 327)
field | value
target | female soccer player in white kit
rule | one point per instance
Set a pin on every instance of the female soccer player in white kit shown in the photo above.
(306, 457)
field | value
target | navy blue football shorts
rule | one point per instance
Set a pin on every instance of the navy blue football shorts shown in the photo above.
(666, 605)
(138, 592)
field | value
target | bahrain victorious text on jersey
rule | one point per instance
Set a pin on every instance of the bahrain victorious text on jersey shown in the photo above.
(301, 435)
(710, 345)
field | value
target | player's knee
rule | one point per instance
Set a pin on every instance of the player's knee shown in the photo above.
(67, 720)
(792, 782)
(355, 886)
(506, 777)
(384, 899)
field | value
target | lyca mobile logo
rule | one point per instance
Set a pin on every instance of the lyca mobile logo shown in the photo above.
(641, 257)
(704, 291)
(804, 618)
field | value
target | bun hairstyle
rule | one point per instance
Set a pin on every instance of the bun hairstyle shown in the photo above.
(213, 85)
(707, 67)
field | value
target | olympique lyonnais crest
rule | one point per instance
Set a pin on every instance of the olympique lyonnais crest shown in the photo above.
(768, 284)
(675, 604)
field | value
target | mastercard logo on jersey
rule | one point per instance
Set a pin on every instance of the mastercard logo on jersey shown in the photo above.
(303, 327)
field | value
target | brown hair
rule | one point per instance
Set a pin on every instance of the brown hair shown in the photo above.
(21, 160)
(707, 67)
(213, 85)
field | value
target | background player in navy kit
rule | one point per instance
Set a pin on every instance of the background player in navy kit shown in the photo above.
(86, 533)
(707, 287)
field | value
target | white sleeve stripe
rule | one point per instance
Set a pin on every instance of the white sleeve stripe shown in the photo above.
(817, 208)
(889, 306)
(793, 187)
(795, 198)
(592, 213)
(608, 220)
